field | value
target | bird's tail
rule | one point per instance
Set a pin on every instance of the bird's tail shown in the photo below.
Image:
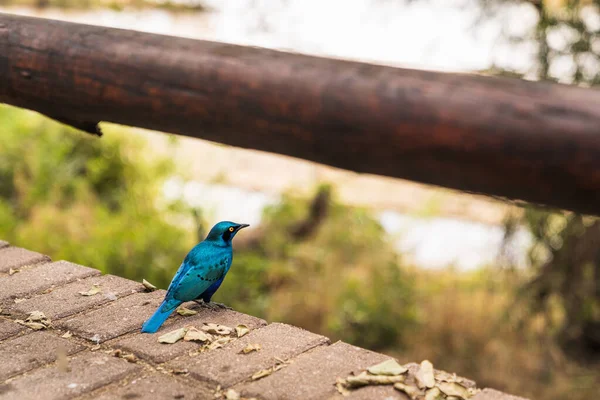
(165, 309)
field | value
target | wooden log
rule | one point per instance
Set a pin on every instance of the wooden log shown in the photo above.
(537, 142)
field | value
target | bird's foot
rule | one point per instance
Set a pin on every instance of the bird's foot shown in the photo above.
(199, 302)
(212, 305)
(215, 306)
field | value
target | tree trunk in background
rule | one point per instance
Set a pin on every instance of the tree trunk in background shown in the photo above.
(317, 213)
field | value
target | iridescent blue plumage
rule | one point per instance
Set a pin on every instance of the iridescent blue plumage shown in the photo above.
(200, 274)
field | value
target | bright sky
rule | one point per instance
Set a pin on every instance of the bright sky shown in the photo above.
(424, 34)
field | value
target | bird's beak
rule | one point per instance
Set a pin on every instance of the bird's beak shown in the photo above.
(242, 226)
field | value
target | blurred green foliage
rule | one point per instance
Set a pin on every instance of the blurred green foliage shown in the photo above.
(87, 200)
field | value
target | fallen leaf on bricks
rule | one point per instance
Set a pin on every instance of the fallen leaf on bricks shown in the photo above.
(364, 379)
(389, 367)
(93, 291)
(241, 330)
(217, 329)
(250, 348)
(262, 373)
(173, 336)
(36, 321)
(193, 334)
(149, 287)
(412, 391)
(181, 310)
(425, 377)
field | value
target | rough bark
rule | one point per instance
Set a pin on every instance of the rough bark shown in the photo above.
(538, 142)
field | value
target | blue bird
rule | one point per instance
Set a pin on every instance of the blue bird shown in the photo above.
(200, 274)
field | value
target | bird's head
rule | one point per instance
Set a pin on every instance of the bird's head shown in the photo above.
(224, 231)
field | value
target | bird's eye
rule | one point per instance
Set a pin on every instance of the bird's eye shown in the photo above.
(231, 229)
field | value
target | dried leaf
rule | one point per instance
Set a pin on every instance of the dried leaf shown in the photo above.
(250, 348)
(13, 271)
(17, 301)
(96, 338)
(424, 376)
(129, 357)
(36, 316)
(181, 310)
(364, 379)
(93, 291)
(180, 371)
(232, 395)
(389, 367)
(193, 334)
(36, 326)
(217, 344)
(173, 336)
(434, 394)
(217, 329)
(262, 373)
(241, 330)
(36, 320)
(67, 335)
(454, 389)
(49, 290)
(412, 391)
(340, 385)
(149, 287)
(443, 376)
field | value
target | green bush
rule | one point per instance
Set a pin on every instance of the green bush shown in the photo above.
(88, 200)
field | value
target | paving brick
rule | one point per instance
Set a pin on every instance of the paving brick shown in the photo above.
(490, 394)
(30, 351)
(155, 386)
(9, 328)
(3, 244)
(227, 366)
(87, 372)
(34, 280)
(67, 300)
(16, 257)
(115, 319)
(146, 345)
(312, 375)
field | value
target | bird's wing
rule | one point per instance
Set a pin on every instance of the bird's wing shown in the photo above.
(180, 272)
(192, 258)
(202, 271)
